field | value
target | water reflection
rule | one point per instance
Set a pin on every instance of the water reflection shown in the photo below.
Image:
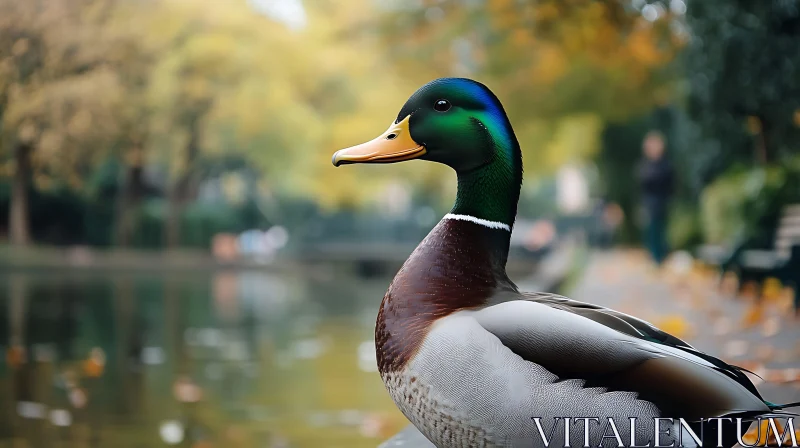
(200, 359)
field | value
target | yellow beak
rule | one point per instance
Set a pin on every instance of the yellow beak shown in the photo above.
(394, 145)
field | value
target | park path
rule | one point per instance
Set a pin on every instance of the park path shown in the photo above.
(685, 301)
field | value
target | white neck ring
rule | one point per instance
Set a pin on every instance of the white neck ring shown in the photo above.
(481, 222)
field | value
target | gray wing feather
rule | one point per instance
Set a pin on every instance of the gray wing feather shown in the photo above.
(618, 352)
(611, 318)
(641, 329)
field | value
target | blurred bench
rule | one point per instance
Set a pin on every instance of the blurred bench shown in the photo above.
(714, 254)
(782, 261)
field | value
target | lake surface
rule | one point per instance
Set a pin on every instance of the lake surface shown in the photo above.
(191, 359)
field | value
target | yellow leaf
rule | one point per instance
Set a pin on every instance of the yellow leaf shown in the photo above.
(675, 325)
(753, 315)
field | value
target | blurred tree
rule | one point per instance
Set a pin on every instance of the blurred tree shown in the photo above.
(58, 95)
(355, 94)
(200, 61)
(578, 79)
(126, 25)
(230, 80)
(743, 64)
(546, 59)
(173, 84)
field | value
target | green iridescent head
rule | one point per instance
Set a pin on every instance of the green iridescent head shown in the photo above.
(460, 123)
(455, 121)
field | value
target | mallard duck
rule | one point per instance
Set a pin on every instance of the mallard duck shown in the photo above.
(473, 362)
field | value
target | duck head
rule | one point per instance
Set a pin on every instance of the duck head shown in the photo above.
(460, 123)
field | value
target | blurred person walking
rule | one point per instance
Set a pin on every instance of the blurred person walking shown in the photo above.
(655, 175)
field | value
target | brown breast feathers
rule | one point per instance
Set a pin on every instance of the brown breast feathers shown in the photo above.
(457, 266)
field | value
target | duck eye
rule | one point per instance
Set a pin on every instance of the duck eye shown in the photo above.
(442, 106)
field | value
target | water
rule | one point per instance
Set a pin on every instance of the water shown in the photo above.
(191, 359)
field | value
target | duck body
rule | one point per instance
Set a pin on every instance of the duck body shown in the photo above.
(457, 382)
(470, 361)
(473, 362)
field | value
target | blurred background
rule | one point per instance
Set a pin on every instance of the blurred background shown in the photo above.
(180, 264)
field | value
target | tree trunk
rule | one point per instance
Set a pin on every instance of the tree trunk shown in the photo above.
(179, 193)
(762, 144)
(18, 217)
(130, 196)
(172, 235)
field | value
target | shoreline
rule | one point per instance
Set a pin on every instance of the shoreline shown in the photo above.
(89, 258)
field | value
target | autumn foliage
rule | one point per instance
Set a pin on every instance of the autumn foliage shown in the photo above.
(163, 85)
